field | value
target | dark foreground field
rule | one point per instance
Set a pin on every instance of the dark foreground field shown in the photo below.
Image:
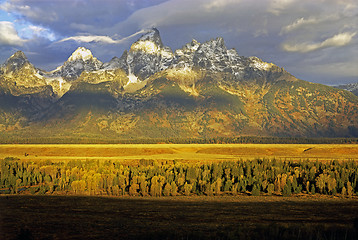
(73, 217)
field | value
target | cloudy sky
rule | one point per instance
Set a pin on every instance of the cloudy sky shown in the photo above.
(315, 40)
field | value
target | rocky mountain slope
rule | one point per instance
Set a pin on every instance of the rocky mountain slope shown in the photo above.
(201, 90)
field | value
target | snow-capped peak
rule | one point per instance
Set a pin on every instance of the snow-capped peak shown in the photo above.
(150, 42)
(81, 53)
(80, 60)
(153, 36)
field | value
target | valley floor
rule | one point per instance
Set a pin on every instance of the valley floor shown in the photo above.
(182, 152)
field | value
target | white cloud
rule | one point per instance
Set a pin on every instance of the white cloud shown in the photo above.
(298, 23)
(8, 35)
(88, 39)
(43, 32)
(99, 39)
(32, 31)
(338, 40)
(303, 22)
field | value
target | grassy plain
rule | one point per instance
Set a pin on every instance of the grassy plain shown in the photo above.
(182, 152)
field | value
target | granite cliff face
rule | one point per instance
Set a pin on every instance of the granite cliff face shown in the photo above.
(200, 90)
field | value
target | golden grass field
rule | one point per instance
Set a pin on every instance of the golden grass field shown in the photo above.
(182, 152)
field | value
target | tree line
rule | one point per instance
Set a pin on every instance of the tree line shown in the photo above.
(172, 178)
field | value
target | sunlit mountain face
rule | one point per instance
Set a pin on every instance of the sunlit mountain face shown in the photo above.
(200, 90)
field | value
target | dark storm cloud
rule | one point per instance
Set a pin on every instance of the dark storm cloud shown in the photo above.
(314, 40)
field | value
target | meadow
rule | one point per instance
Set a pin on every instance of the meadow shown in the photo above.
(183, 152)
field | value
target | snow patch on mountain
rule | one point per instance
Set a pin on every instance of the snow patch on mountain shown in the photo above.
(145, 46)
(37, 74)
(186, 78)
(166, 53)
(132, 78)
(259, 64)
(81, 53)
(59, 85)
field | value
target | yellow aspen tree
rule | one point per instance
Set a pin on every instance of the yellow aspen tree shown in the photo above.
(283, 180)
(218, 183)
(278, 183)
(187, 189)
(133, 189)
(174, 189)
(331, 184)
(320, 182)
(349, 189)
(167, 190)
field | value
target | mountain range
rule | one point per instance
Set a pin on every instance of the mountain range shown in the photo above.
(202, 90)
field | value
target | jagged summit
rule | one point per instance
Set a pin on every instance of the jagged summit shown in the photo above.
(152, 35)
(81, 53)
(147, 56)
(79, 61)
(18, 58)
(188, 48)
(16, 62)
(20, 73)
(19, 54)
(149, 42)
